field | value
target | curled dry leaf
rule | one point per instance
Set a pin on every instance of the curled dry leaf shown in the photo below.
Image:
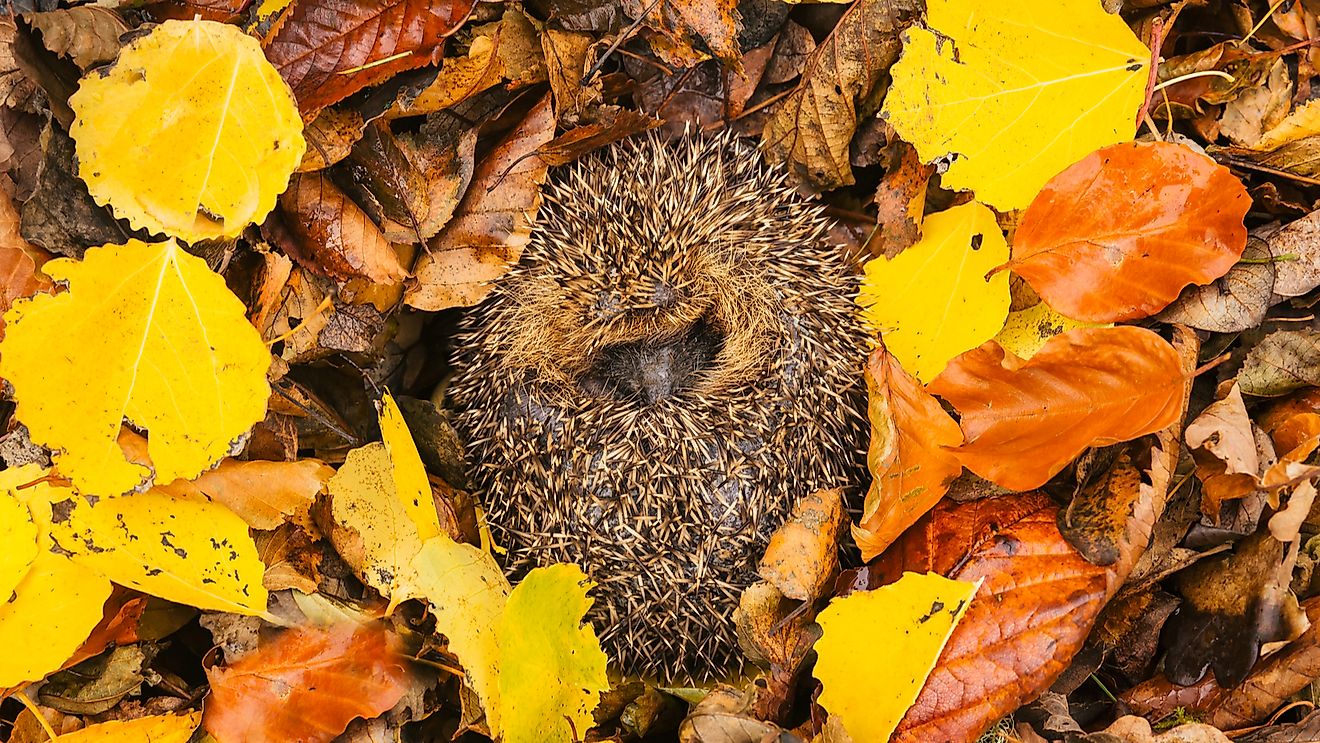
(333, 236)
(811, 130)
(908, 457)
(306, 685)
(493, 222)
(1224, 447)
(87, 34)
(1234, 302)
(803, 555)
(614, 124)
(329, 49)
(1118, 234)
(1024, 421)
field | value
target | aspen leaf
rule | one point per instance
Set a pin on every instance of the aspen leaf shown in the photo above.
(48, 616)
(933, 301)
(154, 729)
(410, 483)
(145, 333)
(1011, 98)
(191, 132)
(18, 533)
(552, 668)
(878, 647)
(183, 548)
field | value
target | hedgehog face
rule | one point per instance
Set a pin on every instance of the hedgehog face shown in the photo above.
(673, 363)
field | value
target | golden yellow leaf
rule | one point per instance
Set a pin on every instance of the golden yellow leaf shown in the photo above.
(1011, 95)
(932, 301)
(552, 669)
(878, 647)
(154, 729)
(183, 548)
(18, 532)
(191, 132)
(147, 333)
(51, 612)
(410, 483)
(467, 592)
(1025, 331)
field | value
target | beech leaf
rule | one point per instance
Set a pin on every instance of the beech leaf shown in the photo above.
(153, 729)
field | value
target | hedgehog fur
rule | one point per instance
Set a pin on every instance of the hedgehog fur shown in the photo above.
(673, 363)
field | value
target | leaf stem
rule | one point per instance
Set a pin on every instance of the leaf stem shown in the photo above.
(1271, 259)
(36, 712)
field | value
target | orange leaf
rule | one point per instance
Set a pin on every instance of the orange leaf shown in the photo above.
(1118, 234)
(329, 49)
(1026, 420)
(908, 457)
(306, 685)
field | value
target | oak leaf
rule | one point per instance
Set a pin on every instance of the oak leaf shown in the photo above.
(1010, 99)
(191, 132)
(1118, 234)
(147, 333)
(1024, 421)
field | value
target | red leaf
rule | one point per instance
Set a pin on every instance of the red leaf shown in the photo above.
(1118, 235)
(1026, 420)
(306, 685)
(317, 42)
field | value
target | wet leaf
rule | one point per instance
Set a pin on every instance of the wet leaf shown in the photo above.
(1049, 87)
(173, 354)
(334, 237)
(1118, 235)
(165, 136)
(1023, 421)
(803, 554)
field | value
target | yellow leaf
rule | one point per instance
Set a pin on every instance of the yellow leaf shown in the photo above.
(191, 132)
(183, 548)
(154, 729)
(144, 332)
(467, 592)
(878, 647)
(18, 532)
(410, 483)
(1012, 96)
(51, 612)
(933, 301)
(552, 669)
(1027, 330)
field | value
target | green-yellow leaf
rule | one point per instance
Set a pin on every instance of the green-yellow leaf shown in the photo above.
(1026, 331)
(1012, 94)
(933, 300)
(154, 729)
(191, 132)
(552, 669)
(50, 613)
(183, 548)
(147, 333)
(878, 647)
(467, 592)
(410, 483)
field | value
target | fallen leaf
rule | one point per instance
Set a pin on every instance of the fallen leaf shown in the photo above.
(1236, 301)
(459, 78)
(263, 494)
(491, 225)
(152, 729)
(615, 124)
(1283, 361)
(900, 629)
(908, 456)
(1026, 331)
(61, 216)
(552, 669)
(1223, 445)
(18, 271)
(1300, 240)
(810, 131)
(900, 201)
(803, 554)
(1118, 234)
(175, 328)
(166, 135)
(1045, 89)
(681, 22)
(330, 137)
(912, 299)
(1024, 421)
(306, 685)
(329, 49)
(333, 236)
(87, 34)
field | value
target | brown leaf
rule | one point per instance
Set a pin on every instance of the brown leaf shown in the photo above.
(1024, 421)
(681, 21)
(614, 124)
(330, 137)
(224, 11)
(380, 178)
(333, 236)
(803, 555)
(1234, 302)
(910, 465)
(306, 685)
(492, 223)
(1283, 361)
(292, 558)
(566, 59)
(810, 131)
(1224, 447)
(61, 216)
(329, 49)
(1300, 239)
(776, 633)
(87, 34)
(1096, 520)
(901, 201)
(18, 271)
(460, 78)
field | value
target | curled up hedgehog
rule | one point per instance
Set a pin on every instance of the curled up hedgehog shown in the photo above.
(674, 362)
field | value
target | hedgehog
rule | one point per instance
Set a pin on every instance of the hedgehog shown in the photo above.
(674, 361)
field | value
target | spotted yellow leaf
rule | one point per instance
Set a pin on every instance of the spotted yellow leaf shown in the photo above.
(933, 301)
(1027, 330)
(877, 648)
(144, 333)
(153, 729)
(1008, 94)
(191, 132)
(47, 617)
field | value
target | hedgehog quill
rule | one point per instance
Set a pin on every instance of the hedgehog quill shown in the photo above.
(673, 363)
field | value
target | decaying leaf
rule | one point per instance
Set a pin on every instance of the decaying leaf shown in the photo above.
(803, 554)
(333, 236)
(1283, 361)
(1234, 302)
(168, 137)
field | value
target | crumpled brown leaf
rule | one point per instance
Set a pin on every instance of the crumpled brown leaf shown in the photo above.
(333, 236)
(87, 34)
